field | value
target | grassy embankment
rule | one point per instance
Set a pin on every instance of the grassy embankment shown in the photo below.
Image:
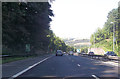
(107, 45)
(11, 59)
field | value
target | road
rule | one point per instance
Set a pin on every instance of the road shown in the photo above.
(72, 66)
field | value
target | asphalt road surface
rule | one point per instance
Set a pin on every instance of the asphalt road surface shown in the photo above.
(71, 66)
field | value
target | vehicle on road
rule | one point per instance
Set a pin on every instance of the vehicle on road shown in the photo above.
(70, 52)
(91, 53)
(110, 54)
(59, 53)
(64, 52)
(75, 54)
(83, 54)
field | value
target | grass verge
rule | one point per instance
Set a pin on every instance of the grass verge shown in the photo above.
(107, 46)
(11, 59)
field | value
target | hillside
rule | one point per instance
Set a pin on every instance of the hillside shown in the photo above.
(106, 45)
(104, 37)
(77, 43)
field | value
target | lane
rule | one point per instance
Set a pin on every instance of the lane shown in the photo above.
(95, 67)
(57, 66)
(12, 68)
(71, 66)
(30, 67)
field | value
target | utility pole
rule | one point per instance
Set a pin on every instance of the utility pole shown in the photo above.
(113, 34)
(94, 40)
(48, 49)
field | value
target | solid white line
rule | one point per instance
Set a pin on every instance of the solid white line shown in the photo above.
(95, 77)
(18, 74)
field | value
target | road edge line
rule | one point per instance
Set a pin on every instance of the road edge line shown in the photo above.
(23, 71)
(95, 76)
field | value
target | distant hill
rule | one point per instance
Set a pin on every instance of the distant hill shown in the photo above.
(78, 43)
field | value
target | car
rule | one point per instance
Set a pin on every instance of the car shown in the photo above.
(70, 52)
(82, 53)
(75, 54)
(59, 53)
(64, 52)
(91, 53)
(109, 54)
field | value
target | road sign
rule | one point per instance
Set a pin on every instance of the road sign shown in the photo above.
(27, 47)
(78, 50)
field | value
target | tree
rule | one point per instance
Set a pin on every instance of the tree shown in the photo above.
(107, 31)
(26, 23)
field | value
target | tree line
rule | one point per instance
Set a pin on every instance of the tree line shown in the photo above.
(29, 24)
(110, 26)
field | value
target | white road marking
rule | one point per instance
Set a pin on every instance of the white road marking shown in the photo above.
(111, 63)
(78, 65)
(18, 74)
(95, 77)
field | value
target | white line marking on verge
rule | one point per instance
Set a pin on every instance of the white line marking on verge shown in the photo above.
(78, 65)
(18, 74)
(95, 77)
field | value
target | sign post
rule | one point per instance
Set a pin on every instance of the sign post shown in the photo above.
(78, 50)
(27, 47)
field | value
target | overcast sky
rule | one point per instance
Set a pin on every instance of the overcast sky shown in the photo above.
(80, 18)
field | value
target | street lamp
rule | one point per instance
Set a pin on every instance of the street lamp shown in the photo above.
(94, 40)
(113, 34)
(48, 49)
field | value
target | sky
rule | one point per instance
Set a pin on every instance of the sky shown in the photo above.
(80, 18)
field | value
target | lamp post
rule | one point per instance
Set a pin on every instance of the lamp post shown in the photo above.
(48, 49)
(94, 40)
(113, 34)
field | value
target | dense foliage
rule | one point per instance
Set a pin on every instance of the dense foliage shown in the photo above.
(106, 33)
(28, 24)
(119, 29)
(57, 43)
(84, 49)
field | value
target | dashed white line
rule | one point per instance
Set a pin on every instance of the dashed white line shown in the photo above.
(18, 74)
(78, 65)
(95, 77)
